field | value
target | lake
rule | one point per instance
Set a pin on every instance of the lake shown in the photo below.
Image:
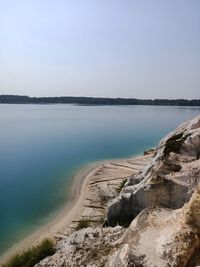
(42, 146)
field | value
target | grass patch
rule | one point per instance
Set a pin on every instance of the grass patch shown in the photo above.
(32, 256)
(83, 223)
(119, 188)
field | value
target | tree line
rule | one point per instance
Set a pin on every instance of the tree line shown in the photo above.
(21, 99)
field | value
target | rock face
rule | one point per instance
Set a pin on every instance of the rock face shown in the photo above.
(168, 181)
(89, 245)
(158, 211)
(157, 237)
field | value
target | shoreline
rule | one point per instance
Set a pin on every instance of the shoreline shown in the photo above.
(61, 222)
(70, 212)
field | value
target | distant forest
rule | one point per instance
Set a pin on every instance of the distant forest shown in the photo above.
(19, 99)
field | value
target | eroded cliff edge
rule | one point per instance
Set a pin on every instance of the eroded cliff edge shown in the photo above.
(153, 221)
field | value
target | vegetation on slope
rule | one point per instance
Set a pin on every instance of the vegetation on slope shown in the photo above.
(121, 186)
(32, 256)
(83, 223)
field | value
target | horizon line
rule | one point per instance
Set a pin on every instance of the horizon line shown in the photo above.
(96, 97)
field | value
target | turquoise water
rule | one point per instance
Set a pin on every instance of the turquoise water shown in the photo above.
(41, 147)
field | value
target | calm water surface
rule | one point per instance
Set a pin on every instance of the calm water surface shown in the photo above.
(41, 147)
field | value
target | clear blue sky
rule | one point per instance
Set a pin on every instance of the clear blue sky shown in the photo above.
(129, 48)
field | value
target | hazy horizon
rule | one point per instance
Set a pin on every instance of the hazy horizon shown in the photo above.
(130, 49)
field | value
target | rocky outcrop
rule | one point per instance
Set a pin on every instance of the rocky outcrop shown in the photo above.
(168, 181)
(158, 211)
(157, 237)
(86, 247)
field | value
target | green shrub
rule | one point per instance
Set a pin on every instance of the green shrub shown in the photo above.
(83, 223)
(32, 256)
(119, 188)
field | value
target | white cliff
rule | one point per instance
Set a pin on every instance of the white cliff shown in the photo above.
(158, 211)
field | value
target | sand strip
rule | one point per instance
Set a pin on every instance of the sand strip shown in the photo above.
(71, 212)
(62, 221)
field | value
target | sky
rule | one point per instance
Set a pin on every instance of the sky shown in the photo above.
(106, 48)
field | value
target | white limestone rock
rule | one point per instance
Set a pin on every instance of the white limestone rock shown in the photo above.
(164, 182)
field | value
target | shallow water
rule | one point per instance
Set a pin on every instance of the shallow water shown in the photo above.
(41, 147)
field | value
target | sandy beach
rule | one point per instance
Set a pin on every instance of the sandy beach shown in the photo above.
(70, 212)
(87, 176)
